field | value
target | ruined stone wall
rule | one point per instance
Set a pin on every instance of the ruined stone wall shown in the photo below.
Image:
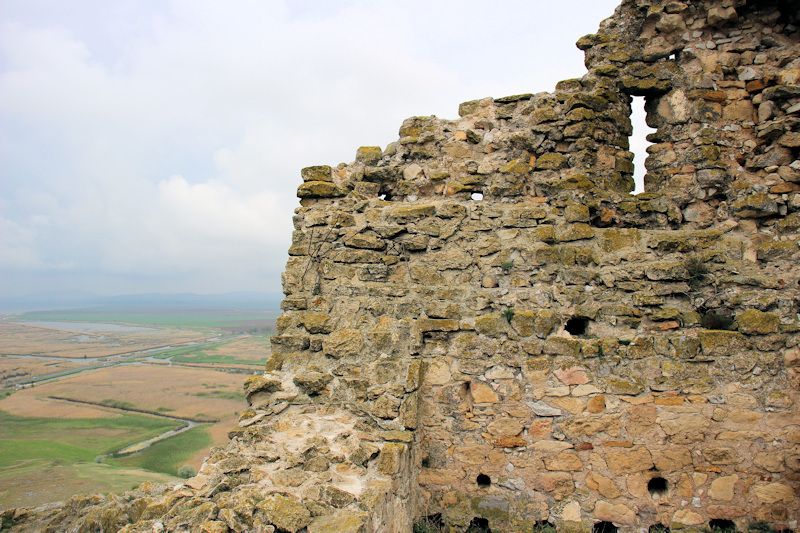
(483, 326)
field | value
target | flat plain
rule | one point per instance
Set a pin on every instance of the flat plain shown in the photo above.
(73, 395)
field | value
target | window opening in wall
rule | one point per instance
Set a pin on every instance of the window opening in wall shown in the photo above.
(639, 142)
(483, 481)
(479, 525)
(721, 525)
(477, 196)
(604, 527)
(577, 325)
(658, 528)
(657, 487)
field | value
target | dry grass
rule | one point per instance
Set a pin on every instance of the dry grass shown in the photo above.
(16, 339)
(251, 348)
(16, 369)
(146, 387)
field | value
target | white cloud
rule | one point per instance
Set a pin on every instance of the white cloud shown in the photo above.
(161, 139)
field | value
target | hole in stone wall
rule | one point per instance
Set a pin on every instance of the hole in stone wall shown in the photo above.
(604, 527)
(385, 194)
(426, 462)
(639, 142)
(577, 325)
(478, 525)
(603, 216)
(716, 319)
(657, 487)
(477, 196)
(483, 481)
(721, 525)
(658, 528)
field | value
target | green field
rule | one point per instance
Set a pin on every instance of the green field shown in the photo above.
(168, 455)
(47, 459)
(37, 482)
(65, 441)
(225, 319)
(198, 354)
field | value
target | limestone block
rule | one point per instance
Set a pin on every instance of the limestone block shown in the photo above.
(317, 173)
(616, 513)
(343, 343)
(285, 512)
(723, 488)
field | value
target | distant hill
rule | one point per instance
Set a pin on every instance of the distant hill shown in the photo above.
(261, 301)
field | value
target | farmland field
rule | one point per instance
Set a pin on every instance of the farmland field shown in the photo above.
(94, 404)
(242, 320)
(67, 340)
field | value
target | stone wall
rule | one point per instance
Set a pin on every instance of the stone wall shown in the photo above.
(482, 326)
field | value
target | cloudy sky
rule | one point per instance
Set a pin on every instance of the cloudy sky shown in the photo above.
(155, 145)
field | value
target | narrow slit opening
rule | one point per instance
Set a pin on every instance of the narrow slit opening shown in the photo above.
(639, 142)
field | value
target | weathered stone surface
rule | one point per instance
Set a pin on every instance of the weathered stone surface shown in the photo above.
(340, 522)
(319, 189)
(772, 493)
(628, 460)
(481, 322)
(285, 512)
(753, 321)
(687, 517)
(317, 173)
(616, 513)
(723, 487)
(343, 343)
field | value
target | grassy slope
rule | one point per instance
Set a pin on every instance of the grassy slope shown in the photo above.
(72, 440)
(168, 455)
(38, 482)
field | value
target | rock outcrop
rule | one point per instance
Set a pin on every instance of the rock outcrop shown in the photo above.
(483, 326)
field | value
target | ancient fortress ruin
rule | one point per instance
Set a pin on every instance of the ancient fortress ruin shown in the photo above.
(484, 329)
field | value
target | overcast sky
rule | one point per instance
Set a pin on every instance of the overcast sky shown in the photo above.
(155, 145)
